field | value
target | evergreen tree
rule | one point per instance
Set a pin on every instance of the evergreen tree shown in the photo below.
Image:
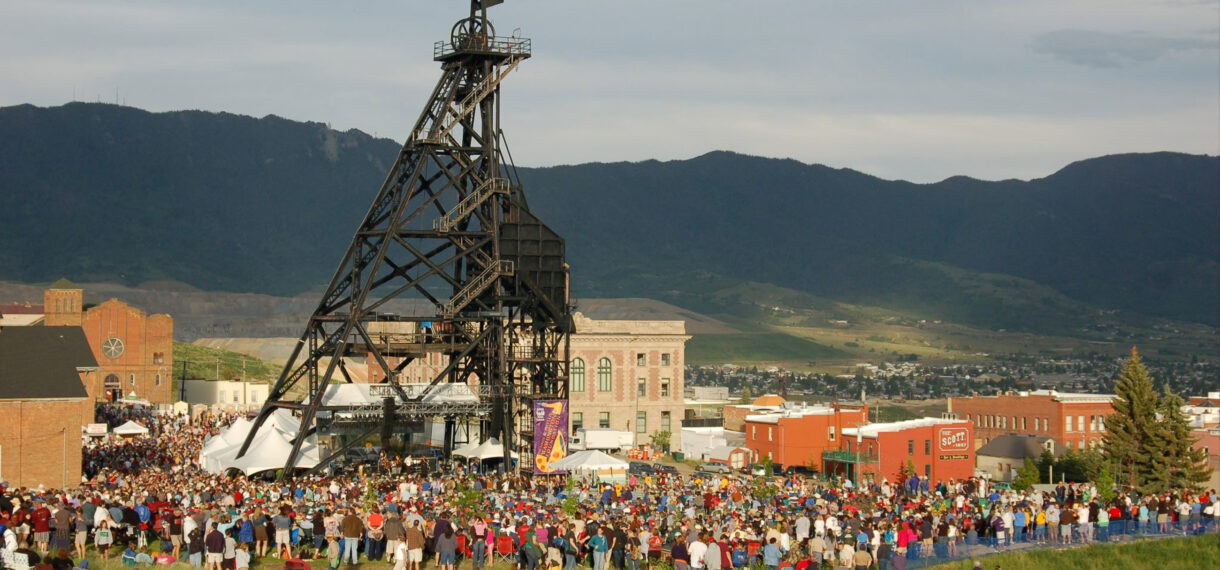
(1046, 462)
(1027, 476)
(1133, 435)
(1188, 466)
(1105, 483)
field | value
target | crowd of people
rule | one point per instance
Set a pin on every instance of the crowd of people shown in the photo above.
(147, 501)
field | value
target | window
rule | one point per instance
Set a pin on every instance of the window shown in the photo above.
(641, 422)
(1022, 423)
(236, 394)
(927, 471)
(927, 447)
(604, 371)
(1101, 424)
(830, 433)
(665, 421)
(641, 359)
(603, 419)
(770, 434)
(1067, 444)
(157, 379)
(665, 387)
(158, 358)
(910, 447)
(641, 387)
(754, 433)
(1067, 423)
(665, 360)
(577, 383)
(1079, 423)
(131, 379)
(255, 397)
(221, 396)
(578, 420)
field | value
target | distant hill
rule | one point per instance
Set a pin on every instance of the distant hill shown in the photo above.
(100, 192)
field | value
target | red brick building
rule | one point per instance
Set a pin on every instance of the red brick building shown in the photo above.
(134, 350)
(798, 435)
(940, 450)
(1076, 421)
(43, 404)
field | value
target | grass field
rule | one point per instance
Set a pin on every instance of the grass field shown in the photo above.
(1201, 552)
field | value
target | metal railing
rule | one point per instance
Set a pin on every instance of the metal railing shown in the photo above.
(849, 457)
(482, 44)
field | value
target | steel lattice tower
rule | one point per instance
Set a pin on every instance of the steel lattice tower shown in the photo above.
(449, 227)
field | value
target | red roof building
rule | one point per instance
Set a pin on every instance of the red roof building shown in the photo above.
(939, 449)
(797, 435)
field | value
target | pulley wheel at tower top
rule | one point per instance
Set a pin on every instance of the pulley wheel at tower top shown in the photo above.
(472, 33)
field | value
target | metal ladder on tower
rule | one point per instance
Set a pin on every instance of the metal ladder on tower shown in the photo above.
(472, 200)
(476, 286)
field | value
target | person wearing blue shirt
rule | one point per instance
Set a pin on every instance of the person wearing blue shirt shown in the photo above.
(600, 547)
(771, 555)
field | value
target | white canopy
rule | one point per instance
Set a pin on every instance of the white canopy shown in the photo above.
(592, 462)
(131, 428)
(269, 449)
(465, 449)
(490, 449)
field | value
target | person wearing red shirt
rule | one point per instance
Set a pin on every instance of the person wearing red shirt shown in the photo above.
(41, 519)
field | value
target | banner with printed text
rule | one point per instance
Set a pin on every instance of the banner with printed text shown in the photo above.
(550, 434)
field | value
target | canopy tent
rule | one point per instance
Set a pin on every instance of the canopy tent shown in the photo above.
(132, 399)
(592, 462)
(490, 449)
(465, 449)
(269, 449)
(131, 428)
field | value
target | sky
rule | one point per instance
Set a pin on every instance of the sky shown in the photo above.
(903, 90)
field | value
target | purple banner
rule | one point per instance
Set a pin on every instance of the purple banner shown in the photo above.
(550, 434)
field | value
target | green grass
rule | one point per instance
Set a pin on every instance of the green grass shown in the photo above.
(203, 363)
(756, 347)
(1164, 554)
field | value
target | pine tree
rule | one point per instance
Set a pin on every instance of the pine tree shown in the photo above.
(1027, 476)
(1134, 438)
(1188, 466)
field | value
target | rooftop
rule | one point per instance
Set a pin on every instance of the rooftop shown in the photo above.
(872, 430)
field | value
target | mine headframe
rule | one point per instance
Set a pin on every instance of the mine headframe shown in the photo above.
(448, 266)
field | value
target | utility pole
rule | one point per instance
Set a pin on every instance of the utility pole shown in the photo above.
(182, 384)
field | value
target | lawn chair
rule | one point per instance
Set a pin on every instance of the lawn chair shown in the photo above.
(505, 549)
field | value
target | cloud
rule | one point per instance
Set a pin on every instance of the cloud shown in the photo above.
(1110, 49)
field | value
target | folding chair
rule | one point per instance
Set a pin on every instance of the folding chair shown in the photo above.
(506, 551)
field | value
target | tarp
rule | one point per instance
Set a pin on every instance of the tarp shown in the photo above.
(270, 450)
(131, 428)
(464, 450)
(490, 449)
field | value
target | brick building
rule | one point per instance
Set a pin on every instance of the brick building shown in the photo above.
(1076, 421)
(628, 374)
(940, 449)
(134, 350)
(799, 434)
(624, 374)
(735, 415)
(43, 404)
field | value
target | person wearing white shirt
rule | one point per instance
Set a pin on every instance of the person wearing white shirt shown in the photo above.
(697, 550)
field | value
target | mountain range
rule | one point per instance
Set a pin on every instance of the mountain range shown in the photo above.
(98, 192)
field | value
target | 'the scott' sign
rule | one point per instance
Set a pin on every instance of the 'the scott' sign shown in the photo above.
(954, 439)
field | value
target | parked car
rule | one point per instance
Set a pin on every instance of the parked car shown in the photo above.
(712, 467)
(663, 468)
(756, 470)
(639, 468)
(800, 470)
(702, 475)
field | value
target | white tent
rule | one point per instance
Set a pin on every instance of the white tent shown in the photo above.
(592, 462)
(490, 449)
(131, 428)
(465, 450)
(270, 450)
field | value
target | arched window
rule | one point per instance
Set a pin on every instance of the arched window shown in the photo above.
(604, 371)
(577, 384)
